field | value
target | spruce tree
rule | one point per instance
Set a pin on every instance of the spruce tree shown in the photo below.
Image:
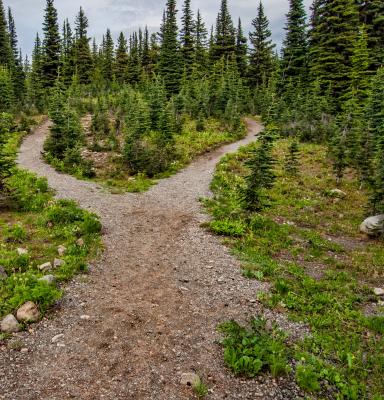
(262, 175)
(225, 36)
(292, 159)
(170, 67)
(377, 197)
(201, 34)
(121, 62)
(36, 75)
(146, 57)
(51, 46)
(17, 70)
(261, 63)
(372, 17)
(67, 54)
(294, 52)
(332, 36)
(187, 37)
(83, 55)
(108, 57)
(241, 50)
(134, 67)
(6, 90)
(375, 109)
(5, 48)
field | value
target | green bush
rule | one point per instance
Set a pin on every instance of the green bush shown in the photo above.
(15, 234)
(27, 191)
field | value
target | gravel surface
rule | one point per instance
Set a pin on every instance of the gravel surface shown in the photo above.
(148, 310)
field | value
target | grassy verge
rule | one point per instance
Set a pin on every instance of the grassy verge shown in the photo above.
(307, 244)
(113, 173)
(32, 226)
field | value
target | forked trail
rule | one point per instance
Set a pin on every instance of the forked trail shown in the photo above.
(153, 299)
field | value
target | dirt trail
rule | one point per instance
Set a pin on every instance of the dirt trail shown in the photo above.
(154, 299)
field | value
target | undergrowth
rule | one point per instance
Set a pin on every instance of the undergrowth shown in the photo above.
(307, 245)
(37, 224)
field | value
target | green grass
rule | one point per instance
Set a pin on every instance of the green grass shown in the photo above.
(321, 268)
(38, 223)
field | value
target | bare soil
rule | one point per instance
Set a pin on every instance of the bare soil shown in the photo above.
(148, 310)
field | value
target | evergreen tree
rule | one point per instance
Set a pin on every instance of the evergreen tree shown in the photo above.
(170, 67)
(17, 70)
(201, 43)
(6, 159)
(51, 46)
(5, 48)
(121, 63)
(36, 76)
(294, 52)
(372, 17)
(292, 159)
(108, 56)
(146, 58)
(262, 175)
(6, 90)
(67, 54)
(377, 198)
(261, 54)
(66, 133)
(224, 44)
(359, 73)
(332, 36)
(83, 55)
(375, 110)
(134, 67)
(187, 36)
(241, 50)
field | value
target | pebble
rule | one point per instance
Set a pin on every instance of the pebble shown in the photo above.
(57, 338)
(85, 317)
(45, 267)
(61, 250)
(58, 262)
(3, 274)
(9, 324)
(21, 251)
(24, 350)
(49, 279)
(378, 291)
(28, 312)
(189, 379)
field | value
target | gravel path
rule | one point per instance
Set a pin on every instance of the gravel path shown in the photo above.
(148, 310)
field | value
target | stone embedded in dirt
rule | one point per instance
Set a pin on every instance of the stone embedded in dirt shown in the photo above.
(378, 291)
(58, 263)
(61, 250)
(21, 251)
(190, 379)
(80, 242)
(85, 317)
(45, 267)
(373, 226)
(9, 324)
(28, 312)
(337, 193)
(57, 338)
(49, 279)
(3, 274)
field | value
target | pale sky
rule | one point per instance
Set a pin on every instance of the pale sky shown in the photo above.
(129, 15)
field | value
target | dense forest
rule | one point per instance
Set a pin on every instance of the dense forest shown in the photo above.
(127, 112)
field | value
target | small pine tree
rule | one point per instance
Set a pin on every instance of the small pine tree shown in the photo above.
(339, 153)
(6, 90)
(292, 159)
(121, 63)
(262, 175)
